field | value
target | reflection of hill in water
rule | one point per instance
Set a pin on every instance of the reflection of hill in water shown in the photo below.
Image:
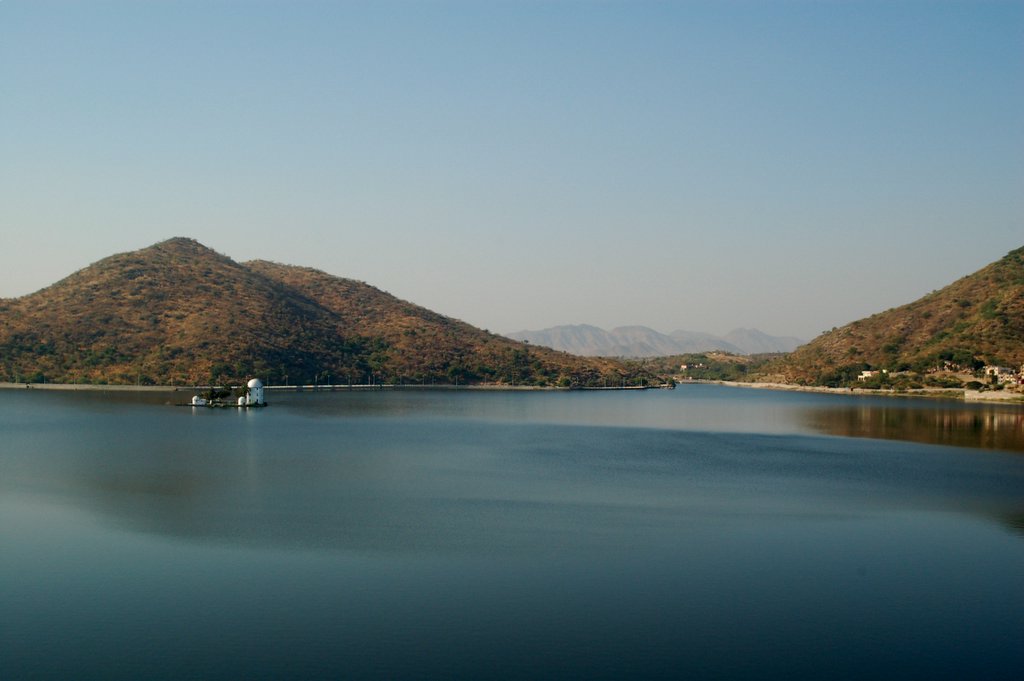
(1015, 521)
(497, 488)
(959, 426)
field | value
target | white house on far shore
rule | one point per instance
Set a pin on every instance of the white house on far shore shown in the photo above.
(1002, 374)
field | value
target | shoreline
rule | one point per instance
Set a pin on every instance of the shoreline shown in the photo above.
(99, 387)
(93, 387)
(958, 394)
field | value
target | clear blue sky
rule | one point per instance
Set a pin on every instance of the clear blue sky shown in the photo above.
(790, 166)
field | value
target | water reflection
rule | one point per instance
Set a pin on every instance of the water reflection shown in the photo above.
(452, 471)
(510, 535)
(1014, 521)
(443, 486)
(985, 426)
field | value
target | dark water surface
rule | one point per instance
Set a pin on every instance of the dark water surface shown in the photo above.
(707, 532)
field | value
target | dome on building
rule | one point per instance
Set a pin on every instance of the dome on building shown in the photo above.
(255, 392)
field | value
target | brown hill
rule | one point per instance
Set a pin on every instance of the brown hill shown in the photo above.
(976, 320)
(180, 313)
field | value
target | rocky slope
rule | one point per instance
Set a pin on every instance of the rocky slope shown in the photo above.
(179, 313)
(974, 321)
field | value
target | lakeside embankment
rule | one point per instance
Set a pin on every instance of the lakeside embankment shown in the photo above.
(1001, 396)
(93, 387)
(998, 396)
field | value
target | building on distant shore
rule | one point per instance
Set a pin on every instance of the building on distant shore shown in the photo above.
(1002, 374)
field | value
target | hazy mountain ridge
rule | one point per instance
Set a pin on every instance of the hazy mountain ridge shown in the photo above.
(978, 319)
(641, 341)
(180, 313)
(755, 342)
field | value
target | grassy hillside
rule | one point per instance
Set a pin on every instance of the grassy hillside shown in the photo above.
(977, 320)
(422, 345)
(180, 313)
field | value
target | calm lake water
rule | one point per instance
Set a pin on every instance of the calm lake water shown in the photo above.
(706, 532)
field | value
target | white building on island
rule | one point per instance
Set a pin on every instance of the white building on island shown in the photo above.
(255, 396)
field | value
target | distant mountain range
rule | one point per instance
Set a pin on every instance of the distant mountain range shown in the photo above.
(179, 313)
(641, 341)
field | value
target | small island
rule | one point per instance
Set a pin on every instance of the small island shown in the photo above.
(251, 395)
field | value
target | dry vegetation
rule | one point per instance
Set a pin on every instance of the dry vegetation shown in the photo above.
(179, 313)
(975, 321)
